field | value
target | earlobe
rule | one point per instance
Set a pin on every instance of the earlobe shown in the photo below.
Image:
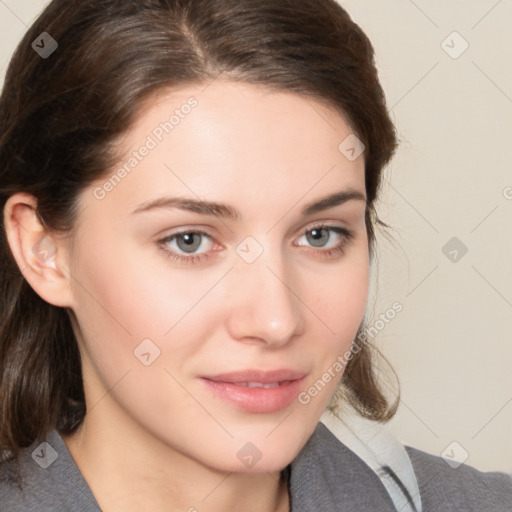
(41, 256)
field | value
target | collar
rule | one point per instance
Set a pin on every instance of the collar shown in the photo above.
(375, 444)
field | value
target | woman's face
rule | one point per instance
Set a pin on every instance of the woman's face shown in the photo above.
(181, 305)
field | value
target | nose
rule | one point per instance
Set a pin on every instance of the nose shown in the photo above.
(265, 307)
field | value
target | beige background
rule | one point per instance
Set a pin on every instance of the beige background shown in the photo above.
(451, 345)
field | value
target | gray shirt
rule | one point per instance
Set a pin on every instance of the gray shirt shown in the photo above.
(325, 477)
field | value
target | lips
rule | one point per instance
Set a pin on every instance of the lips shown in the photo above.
(257, 376)
(257, 391)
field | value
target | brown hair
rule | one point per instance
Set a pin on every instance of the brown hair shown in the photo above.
(60, 117)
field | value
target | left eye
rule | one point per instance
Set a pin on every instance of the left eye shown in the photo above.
(182, 246)
(320, 235)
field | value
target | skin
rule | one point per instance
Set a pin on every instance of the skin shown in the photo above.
(154, 437)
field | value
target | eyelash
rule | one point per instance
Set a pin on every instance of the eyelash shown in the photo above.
(336, 251)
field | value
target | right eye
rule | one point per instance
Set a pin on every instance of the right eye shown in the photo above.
(185, 243)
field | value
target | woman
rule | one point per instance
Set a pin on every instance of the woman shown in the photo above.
(188, 193)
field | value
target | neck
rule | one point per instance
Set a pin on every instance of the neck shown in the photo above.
(128, 469)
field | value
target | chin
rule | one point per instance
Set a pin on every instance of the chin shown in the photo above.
(272, 463)
(270, 451)
(248, 453)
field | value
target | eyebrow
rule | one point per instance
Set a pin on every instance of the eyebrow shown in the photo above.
(228, 212)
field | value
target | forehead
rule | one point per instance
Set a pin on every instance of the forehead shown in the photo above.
(239, 109)
(231, 141)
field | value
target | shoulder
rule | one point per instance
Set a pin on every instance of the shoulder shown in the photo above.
(416, 480)
(43, 479)
(446, 488)
(328, 476)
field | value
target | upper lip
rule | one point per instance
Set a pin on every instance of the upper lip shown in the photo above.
(253, 375)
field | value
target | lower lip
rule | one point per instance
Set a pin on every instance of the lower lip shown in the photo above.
(259, 400)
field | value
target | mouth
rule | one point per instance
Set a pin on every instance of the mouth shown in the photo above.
(261, 384)
(256, 391)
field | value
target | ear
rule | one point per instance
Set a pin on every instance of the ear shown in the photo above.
(41, 256)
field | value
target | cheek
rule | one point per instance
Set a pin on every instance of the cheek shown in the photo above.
(141, 330)
(340, 305)
(123, 300)
(341, 299)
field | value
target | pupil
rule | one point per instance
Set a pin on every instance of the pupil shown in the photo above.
(190, 245)
(316, 235)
